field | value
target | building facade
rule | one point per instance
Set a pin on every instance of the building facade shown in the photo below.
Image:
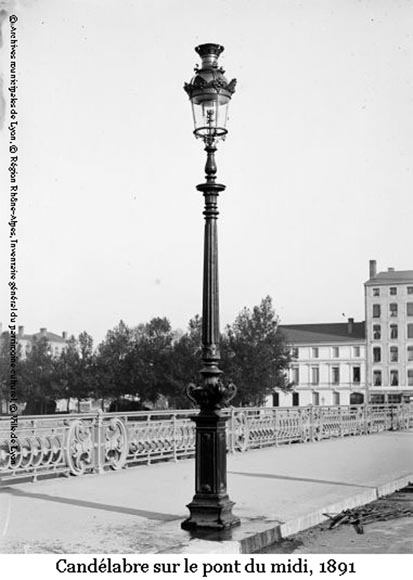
(355, 362)
(57, 343)
(328, 366)
(389, 334)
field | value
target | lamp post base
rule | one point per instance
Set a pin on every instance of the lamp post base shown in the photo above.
(213, 513)
(210, 507)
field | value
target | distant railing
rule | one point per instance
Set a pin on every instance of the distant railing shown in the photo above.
(94, 442)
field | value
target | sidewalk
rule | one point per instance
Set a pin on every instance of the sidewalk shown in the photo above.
(277, 492)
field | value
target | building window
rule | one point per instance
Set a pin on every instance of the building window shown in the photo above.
(409, 289)
(356, 351)
(394, 399)
(376, 331)
(393, 291)
(294, 352)
(410, 352)
(336, 398)
(377, 378)
(296, 375)
(315, 375)
(336, 351)
(356, 399)
(376, 354)
(296, 399)
(376, 311)
(410, 377)
(409, 309)
(275, 400)
(336, 375)
(410, 331)
(314, 352)
(394, 354)
(376, 291)
(316, 399)
(394, 378)
(393, 309)
(356, 374)
(377, 399)
(394, 331)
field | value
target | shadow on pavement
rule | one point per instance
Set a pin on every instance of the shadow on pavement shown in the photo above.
(94, 505)
(305, 479)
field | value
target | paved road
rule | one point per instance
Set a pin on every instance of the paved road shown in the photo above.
(277, 492)
(394, 536)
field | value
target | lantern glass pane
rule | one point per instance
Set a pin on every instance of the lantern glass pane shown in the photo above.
(210, 116)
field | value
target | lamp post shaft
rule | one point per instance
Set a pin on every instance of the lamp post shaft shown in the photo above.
(211, 507)
(210, 297)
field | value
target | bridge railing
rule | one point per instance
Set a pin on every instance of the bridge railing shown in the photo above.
(94, 442)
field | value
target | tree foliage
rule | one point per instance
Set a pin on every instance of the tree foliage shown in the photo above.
(150, 362)
(255, 355)
(76, 368)
(39, 384)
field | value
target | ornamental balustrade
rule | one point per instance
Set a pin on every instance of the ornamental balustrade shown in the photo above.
(85, 443)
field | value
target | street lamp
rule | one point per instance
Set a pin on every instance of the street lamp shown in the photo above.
(210, 93)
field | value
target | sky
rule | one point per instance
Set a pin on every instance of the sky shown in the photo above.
(317, 162)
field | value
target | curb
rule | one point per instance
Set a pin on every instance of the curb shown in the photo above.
(259, 540)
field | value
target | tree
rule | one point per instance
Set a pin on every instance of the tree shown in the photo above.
(136, 361)
(5, 371)
(39, 381)
(185, 364)
(113, 373)
(76, 368)
(151, 358)
(255, 355)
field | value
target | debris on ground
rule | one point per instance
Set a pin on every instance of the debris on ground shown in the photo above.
(386, 508)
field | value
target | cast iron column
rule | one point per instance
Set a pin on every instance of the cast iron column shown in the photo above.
(211, 507)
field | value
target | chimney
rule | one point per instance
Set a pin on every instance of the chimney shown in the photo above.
(390, 269)
(20, 331)
(373, 268)
(43, 331)
(64, 335)
(350, 325)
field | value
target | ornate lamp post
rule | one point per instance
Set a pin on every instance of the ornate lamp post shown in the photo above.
(210, 93)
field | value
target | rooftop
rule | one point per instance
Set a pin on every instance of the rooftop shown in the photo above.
(391, 277)
(51, 336)
(330, 332)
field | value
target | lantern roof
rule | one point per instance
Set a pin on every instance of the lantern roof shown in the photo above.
(209, 78)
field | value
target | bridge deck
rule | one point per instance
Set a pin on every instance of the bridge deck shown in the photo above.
(277, 491)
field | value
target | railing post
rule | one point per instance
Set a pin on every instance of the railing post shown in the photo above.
(232, 430)
(321, 413)
(311, 419)
(366, 416)
(340, 421)
(98, 443)
(174, 434)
